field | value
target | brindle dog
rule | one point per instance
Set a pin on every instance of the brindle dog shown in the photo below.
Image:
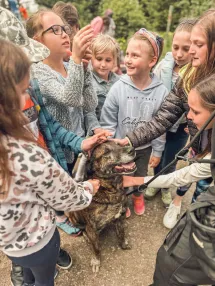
(108, 163)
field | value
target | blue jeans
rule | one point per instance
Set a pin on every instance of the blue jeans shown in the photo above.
(39, 267)
(174, 143)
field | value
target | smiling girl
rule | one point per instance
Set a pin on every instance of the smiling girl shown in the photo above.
(135, 98)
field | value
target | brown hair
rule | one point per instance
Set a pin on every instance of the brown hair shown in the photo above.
(185, 25)
(106, 23)
(34, 25)
(206, 90)
(159, 42)
(104, 43)
(14, 66)
(68, 12)
(191, 77)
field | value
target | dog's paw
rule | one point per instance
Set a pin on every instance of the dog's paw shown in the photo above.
(95, 263)
(125, 245)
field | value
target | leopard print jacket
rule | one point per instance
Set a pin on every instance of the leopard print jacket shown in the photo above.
(38, 187)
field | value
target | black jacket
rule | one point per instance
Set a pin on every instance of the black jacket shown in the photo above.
(174, 106)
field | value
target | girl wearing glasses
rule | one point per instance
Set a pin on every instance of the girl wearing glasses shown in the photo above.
(66, 87)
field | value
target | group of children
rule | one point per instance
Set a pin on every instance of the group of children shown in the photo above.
(74, 93)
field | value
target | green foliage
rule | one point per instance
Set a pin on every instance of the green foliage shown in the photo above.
(122, 43)
(196, 7)
(156, 12)
(167, 42)
(88, 9)
(128, 16)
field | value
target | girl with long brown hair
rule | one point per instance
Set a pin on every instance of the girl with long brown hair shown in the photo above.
(32, 184)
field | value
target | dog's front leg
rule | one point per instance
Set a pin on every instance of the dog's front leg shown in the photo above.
(93, 239)
(120, 231)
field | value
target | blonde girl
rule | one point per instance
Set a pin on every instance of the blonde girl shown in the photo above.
(135, 98)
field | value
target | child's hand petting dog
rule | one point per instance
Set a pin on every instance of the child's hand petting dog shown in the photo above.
(91, 142)
(154, 161)
(122, 142)
(96, 184)
(129, 181)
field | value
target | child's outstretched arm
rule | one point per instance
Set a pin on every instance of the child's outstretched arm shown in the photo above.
(182, 177)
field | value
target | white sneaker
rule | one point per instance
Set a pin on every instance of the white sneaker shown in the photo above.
(171, 216)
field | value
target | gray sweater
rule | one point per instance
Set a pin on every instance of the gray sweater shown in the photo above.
(127, 107)
(72, 100)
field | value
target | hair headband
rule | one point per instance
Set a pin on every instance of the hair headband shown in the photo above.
(152, 39)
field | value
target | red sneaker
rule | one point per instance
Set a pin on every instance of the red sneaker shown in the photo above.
(139, 204)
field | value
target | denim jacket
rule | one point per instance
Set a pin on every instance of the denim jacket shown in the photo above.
(55, 136)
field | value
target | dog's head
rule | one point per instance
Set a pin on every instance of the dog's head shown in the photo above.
(109, 159)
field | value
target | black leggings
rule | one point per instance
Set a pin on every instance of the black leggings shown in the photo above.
(39, 267)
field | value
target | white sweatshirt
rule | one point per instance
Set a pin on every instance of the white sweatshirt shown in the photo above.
(38, 187)
(190, 174)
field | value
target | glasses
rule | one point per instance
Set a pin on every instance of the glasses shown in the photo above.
(58, 29)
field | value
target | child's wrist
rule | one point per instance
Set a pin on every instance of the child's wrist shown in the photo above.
(76, 60)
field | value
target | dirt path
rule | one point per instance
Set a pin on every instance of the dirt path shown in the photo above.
(128, 268)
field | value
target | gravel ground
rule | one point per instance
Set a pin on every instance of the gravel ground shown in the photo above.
(133, 267)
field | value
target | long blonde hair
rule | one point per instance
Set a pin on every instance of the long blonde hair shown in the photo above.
(193, 76)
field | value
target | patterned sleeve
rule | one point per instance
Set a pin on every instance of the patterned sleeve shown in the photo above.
(182, 177)
(48, 180)
(89, 95)
(69, 92)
